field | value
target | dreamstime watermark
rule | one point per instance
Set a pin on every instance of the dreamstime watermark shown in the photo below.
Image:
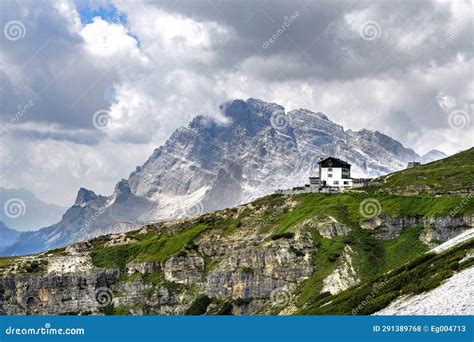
(382, 108)
(101, 119)
(94, 217)
(370, 30)
(280, 297)
(14, 30)
(103, 296)
(459, 119)
(457, 209)
(288, 20)
(280, 120)
(455, 33)
(14, 208)
(46, 330)
(375, 291)
(194, 210)
(370, 207)
(21, 111)
(273, 216)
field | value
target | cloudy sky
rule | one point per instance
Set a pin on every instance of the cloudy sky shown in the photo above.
(90, 88)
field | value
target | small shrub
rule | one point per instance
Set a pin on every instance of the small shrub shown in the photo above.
(247, 270)
(199, 306)
(226, 309)
(286, 235)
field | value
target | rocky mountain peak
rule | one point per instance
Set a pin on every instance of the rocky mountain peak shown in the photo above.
(84, 196)
(122, 191)
(433, 155)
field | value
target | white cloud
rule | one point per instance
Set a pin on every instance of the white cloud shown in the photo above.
(106, 39)
(167, 64)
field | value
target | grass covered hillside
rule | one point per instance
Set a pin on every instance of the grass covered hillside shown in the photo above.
(422, 274)
(302, 254)
(277, 255)
(452, 175)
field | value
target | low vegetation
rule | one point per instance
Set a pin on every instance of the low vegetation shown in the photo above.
(449, 175)
(394, 267)
(422, 274)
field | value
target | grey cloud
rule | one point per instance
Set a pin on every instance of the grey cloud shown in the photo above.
(49, 66)
(320, 40)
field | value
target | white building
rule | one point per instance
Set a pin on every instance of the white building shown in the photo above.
(334, 172)
(334, 175)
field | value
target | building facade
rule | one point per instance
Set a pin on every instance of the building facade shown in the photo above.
(413, 164)
(335, 172)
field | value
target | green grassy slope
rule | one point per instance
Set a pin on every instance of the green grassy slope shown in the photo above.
(272, 218)
(344, 207)
(449, 175)
(422, 274)
(277, 217)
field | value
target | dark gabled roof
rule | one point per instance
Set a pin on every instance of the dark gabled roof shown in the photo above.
(333, 162)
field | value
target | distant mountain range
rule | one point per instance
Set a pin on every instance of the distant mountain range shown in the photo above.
(432, 155)
(7, 236)
(23, 211)
(208, 166)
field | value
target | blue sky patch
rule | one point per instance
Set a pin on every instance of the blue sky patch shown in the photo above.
(108, 13)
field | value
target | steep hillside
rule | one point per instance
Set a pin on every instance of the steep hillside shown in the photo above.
(406, 285)
(277, 255)
(452, 175)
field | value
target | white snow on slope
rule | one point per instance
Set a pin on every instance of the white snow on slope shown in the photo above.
(454, 297)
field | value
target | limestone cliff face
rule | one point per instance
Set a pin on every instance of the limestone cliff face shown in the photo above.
(244, 260)
(239, 271)
(436, 229)
(344, 276)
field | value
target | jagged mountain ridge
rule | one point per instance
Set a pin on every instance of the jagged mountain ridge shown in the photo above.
(208, 166)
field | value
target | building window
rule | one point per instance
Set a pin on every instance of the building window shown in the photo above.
(346, 182)
(336, 182)
(330, 169)
(329, 175)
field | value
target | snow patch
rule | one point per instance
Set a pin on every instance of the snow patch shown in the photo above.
(454, 297)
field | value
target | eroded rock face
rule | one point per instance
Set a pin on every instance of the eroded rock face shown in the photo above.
(329, 227)
(54, 294)
(184, 269)
(436, 229)
(143, 267)
(344, 276)
(246, 269)
(250, 271)
(243, 270)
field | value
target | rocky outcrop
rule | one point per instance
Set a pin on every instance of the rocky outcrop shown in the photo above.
(436, 229)
(41, 294)
(329, 227)
(245, 260)
(143, 267)
(241, 271)
(184, 269)
(344, 276)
